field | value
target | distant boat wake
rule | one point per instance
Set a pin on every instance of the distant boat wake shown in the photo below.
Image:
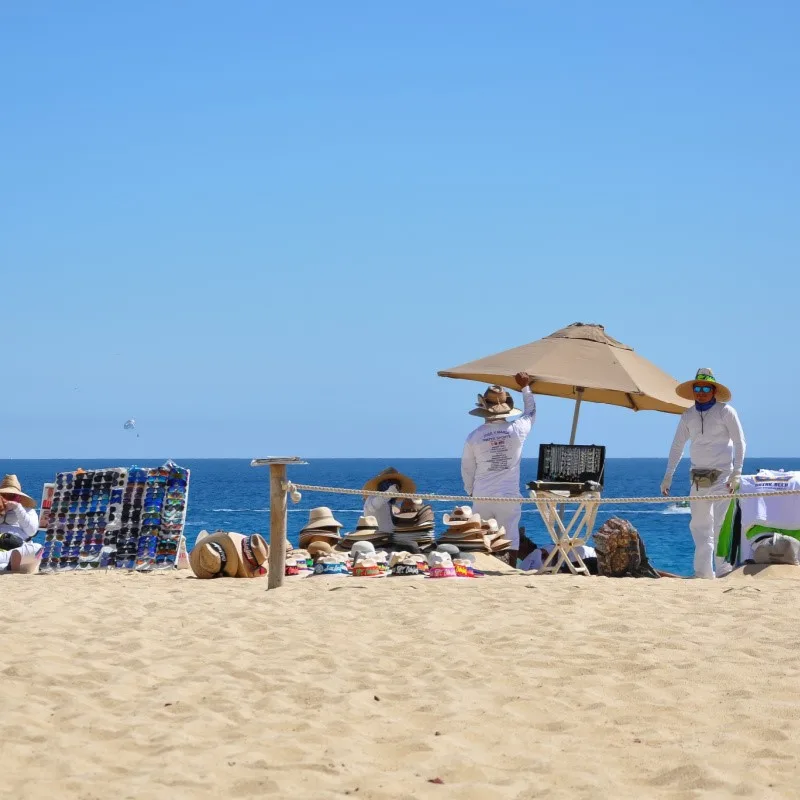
(676, 508)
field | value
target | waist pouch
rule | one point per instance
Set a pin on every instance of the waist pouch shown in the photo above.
(704, 478)
(10, 541)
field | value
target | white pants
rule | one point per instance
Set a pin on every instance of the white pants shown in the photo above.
(707, 519)
(27, 549)
(507, 516)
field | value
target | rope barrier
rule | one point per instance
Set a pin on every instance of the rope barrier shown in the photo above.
(292, 487)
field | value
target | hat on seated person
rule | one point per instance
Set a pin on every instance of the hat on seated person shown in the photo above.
(229, 554)
(705, 377)
(10, 485)
(390, 475)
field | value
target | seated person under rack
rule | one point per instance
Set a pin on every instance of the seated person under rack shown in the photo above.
(19, 523)
(533, 557)
(389, 482)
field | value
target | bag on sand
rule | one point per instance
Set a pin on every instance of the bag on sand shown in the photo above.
(620, 551)
(776, 549)
(10, 541)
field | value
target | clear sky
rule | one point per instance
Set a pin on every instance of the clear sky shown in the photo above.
(261, 227)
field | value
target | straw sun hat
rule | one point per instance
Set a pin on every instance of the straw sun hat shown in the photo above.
(407, 485)
(229, 554)
(365, 526)
(705, 377)
(321, 517)
(495, 403)
(11, 485)
(462, 515)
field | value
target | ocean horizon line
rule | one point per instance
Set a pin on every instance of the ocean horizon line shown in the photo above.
(310, 459)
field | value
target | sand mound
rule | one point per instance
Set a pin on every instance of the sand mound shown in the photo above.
(765, 572)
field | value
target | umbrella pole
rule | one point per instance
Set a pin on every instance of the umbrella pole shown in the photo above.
(579, 390)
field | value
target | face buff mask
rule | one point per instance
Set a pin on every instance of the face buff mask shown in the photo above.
(705, 406)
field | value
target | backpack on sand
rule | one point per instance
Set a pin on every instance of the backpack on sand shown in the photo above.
(620, 551)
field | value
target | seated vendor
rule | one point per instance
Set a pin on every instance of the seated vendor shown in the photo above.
(18, 525)
(533, 556)
(389, 482)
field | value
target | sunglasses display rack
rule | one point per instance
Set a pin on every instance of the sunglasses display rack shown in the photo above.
(116, 518)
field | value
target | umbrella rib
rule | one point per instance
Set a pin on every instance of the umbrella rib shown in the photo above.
(631, 401)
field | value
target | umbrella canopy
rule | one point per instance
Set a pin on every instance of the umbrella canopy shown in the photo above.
(581, 362)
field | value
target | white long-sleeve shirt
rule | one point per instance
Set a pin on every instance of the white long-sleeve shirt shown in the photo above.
(380, 508)
(20, 521)
(492, 452)
(717, 440)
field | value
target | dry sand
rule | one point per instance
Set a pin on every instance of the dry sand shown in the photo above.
(137, 686)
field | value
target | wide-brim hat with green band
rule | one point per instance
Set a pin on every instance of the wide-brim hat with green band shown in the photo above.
(704, 377)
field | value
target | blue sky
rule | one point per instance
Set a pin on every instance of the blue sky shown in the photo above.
(261, 228)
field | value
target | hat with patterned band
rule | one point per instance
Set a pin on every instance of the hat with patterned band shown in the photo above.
(704, 377)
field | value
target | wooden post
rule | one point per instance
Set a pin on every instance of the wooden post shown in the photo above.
(277, 525)
(277, 515)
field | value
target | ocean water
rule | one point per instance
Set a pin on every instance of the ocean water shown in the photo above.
(229, 494)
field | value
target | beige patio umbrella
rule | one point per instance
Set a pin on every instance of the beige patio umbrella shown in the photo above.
(583, 362)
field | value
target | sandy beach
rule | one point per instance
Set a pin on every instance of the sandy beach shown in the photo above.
(163, 686)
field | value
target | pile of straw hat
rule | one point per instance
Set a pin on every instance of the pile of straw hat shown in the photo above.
(366, 531)
(298, 560)
(494, 536)
(229, 554)
(440, 565)
(463, 529)
(405, 563)
(321, 527)
(413, 525)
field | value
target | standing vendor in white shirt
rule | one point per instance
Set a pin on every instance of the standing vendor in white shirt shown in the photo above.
(492, 453)
(716, 458)
(19, 523)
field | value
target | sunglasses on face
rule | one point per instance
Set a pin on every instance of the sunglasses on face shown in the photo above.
(702, 389)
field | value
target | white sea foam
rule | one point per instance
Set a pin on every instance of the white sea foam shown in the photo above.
(674, 508)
